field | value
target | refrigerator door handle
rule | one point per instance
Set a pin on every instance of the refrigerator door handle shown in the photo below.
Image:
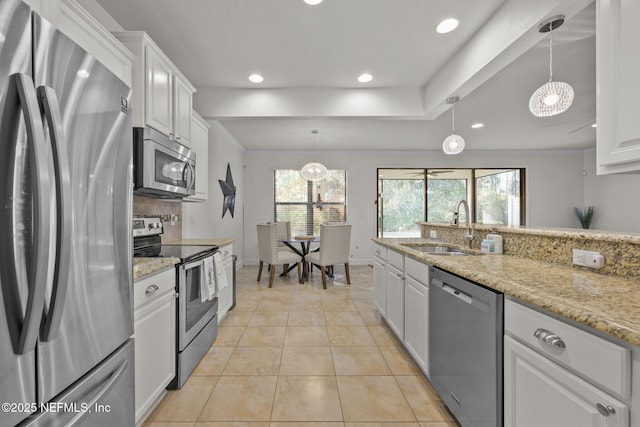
(111, 380)
(41, 213)
(51, 111)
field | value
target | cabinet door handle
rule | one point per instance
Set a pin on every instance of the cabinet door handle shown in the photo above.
(151, 289)
(178, 138)
(605, 410)
(549, 337)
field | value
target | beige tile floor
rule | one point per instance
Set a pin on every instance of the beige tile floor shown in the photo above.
(299, 355)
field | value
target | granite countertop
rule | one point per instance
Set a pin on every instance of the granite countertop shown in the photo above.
(608, 304)
(219, 241)
(143, 267)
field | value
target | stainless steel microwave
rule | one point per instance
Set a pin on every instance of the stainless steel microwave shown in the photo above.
(162, 168)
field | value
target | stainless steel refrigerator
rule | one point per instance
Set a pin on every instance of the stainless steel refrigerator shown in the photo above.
(66, 356)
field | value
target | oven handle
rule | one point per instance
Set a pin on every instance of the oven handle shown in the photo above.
(198, 260)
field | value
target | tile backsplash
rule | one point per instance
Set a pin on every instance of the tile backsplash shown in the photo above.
(148, 206)
(621, 251)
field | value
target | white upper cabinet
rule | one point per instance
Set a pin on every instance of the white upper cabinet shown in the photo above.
(48, 9)
(162, 95)
(79, 25)
(200, 145)
(618, 86)
(158, 112)
(182, 109)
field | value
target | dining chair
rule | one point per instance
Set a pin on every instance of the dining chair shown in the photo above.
(334, 249)
(268, 252)
(283, 233)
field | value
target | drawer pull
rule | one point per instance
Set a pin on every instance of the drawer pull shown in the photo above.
(151, 289)
(550, 338)
(605, 410)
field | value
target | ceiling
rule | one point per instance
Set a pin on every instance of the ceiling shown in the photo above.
(310, 57)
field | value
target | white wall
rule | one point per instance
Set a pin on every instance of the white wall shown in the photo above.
(204, 220)
(616, 198)
(554, 185)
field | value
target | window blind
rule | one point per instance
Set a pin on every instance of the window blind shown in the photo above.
(308, 204)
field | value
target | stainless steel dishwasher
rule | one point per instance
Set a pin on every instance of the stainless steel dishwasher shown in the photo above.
(465, 342)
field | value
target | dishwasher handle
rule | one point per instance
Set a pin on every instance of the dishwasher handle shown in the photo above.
(463, 296)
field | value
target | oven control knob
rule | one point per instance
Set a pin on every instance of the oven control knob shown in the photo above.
(154, 225)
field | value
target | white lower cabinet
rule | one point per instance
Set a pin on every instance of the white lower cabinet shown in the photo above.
(380, 284)
(154, 331)
(558, 375)
(225, 295)
(395, 300)
(416, 323)
(538, 392)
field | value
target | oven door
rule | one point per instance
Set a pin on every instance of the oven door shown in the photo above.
(164, 168)
(193, 314)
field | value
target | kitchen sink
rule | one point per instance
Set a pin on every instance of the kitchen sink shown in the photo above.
(451, 253)
(438, 250)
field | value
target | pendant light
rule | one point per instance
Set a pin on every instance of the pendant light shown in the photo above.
(552, 97)
(314, 171)
(453, 144)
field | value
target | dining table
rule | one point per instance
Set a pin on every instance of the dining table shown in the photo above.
(301, 245)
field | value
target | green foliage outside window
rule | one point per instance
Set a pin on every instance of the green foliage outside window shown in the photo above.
(442, 197)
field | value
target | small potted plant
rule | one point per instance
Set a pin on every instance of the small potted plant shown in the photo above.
(585, 215)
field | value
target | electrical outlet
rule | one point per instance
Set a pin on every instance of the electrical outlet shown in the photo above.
(588, 258)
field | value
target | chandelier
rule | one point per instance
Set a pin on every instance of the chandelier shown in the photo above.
(453, 144)
(552, 97)
(314, 171)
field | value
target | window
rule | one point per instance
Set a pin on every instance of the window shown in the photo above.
(308, 204)
(445, 188)
(498, 196)
(401, 201)
(407, 196)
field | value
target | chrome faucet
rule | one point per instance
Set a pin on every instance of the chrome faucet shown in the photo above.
(469, 236)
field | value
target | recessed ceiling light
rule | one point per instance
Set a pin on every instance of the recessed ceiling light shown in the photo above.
(365, 78)
(82, 73)
(595, 125)
(477, 125)
(256, 78)
(313, 2)
(447, 25)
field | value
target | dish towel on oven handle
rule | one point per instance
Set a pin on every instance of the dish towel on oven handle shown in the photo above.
(207, 281)
(220, 276)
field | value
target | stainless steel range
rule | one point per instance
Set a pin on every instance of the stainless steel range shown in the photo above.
(197, 326)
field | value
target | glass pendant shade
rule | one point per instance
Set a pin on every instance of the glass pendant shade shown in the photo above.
(314, 171)
(453, 144)
(551, 98)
